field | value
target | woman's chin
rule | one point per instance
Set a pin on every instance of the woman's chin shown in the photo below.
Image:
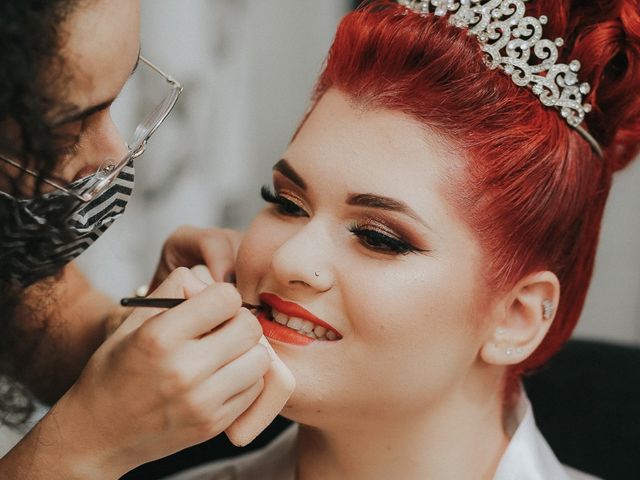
(304, 417)
(313, 410)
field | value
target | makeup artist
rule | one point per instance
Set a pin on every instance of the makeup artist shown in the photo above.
(161, 382)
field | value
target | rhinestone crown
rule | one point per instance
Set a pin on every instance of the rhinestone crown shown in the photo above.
(513, 42)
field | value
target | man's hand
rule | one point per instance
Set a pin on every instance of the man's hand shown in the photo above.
(165, 380)
(189, 246)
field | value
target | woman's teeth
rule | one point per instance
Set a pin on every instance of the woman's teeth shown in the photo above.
(304, 327)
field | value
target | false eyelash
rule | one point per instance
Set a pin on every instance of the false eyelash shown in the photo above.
(390, 245)
(283, 204)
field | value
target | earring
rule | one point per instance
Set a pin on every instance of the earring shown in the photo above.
(317, 274)
(501, 331)
(547, 309)
(510, 351)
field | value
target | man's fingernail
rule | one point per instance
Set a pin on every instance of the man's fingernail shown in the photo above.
(230, 277)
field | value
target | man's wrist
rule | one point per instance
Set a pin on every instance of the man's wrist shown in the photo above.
(114, 319)
(58, 449)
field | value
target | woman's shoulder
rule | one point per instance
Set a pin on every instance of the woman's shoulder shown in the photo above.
(274, 462)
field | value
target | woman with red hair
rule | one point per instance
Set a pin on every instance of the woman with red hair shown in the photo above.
(432, 233)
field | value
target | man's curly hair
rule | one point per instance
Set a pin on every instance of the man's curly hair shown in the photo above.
(31, 38)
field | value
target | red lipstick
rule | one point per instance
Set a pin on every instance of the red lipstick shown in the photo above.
(276, 331)
(291, 309)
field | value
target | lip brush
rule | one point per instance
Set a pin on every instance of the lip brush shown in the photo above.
(165, 302)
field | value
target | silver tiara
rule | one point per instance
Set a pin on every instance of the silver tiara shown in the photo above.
(513, 42)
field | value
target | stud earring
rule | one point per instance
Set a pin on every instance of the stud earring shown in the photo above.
(510, 351)
(547, 309)
(317, 274)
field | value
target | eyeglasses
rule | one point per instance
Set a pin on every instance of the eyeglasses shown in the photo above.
(108, 171)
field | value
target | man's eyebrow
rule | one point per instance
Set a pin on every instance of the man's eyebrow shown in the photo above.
(370, 200)
(287, 170)
(87, 112)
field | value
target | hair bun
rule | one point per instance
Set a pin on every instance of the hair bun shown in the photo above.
(605, 36)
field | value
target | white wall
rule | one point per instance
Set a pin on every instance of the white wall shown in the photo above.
(612, 310)
(248, 67)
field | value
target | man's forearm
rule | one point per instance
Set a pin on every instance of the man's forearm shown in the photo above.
(55, 449)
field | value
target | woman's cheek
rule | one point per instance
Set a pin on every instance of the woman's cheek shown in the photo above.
(257, 248)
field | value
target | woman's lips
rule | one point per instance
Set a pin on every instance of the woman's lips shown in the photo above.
(293, 310)
(275, 331)
(302, 327)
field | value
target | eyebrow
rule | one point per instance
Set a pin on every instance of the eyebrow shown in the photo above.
(287, 170)
(87, 112)
(84, 113)
(367, 200)
(370, 200)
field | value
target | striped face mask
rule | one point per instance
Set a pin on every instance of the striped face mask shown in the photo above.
(39, 236)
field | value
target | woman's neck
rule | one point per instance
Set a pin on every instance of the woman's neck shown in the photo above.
(459, 437)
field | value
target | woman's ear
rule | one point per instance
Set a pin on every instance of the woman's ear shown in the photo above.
(523, 317)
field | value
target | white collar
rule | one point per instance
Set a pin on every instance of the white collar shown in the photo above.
(527, 457)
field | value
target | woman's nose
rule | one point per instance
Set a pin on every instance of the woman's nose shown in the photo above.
(304, 260)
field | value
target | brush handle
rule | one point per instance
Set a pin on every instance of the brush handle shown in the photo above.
(164, 302)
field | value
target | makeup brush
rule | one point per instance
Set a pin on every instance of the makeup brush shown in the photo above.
(279, 382)
(166, 303)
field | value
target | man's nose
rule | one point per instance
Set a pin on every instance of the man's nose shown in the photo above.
(106, 147)
(110, 146)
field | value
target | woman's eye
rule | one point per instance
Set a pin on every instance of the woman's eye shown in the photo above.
(283, 204)
(380, 242)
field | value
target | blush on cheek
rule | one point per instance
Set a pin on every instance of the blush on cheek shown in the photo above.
(255, 253)
(246, 270)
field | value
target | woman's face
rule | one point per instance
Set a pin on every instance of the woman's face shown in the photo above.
(361, 239)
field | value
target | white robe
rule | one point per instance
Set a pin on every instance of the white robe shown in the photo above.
(527, 457)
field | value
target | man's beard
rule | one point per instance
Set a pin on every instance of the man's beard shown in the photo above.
(32, 350)
(16, 403)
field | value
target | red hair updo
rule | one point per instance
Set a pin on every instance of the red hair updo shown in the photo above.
(532, 188)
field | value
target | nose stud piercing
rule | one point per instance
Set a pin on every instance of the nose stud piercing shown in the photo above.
(547, 309)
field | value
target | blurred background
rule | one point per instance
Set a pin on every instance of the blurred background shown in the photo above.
(248, 67)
